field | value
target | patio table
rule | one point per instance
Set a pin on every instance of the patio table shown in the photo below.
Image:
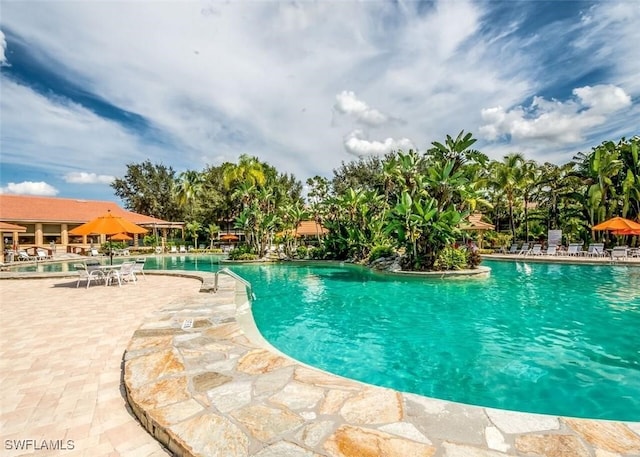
(108, 272)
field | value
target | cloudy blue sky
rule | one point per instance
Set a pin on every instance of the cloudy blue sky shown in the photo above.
(87, 87)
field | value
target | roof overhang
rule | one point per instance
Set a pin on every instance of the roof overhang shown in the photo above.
(6, 227)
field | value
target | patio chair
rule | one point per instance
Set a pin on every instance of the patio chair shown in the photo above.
(88, 274)
(94, 252)
(552, 250)
(183, 249)
(138, 266)
(158, 249)
(124, 273)
(173, 250)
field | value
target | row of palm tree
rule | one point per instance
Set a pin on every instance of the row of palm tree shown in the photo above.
(410, 202)
(573, 197)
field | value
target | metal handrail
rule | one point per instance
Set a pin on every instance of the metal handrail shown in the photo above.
(237, 277)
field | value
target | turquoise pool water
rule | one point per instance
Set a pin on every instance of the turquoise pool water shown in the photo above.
(545, 338)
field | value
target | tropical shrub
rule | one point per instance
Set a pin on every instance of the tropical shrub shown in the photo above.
(247, 256)
(473, 258)
(302, 252)
(380, 251)
(451, 258)
(151, 240)
(240, 251)
(316, 253)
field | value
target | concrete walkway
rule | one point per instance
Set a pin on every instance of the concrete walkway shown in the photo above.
(61, 353)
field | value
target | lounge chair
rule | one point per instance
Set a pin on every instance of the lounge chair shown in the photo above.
(94, 252)
(88, 274)
(183, 249)
(138, 266)
(619, 252)
(23, 256)
(552, 250)
(512, 250)
(124, 273)
(596, 250)
(524, 250)
(41, 254)
(536, 249)
(173, 250)
(573, 249)
(158, 249)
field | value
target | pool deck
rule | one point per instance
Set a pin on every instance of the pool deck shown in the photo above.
(203, 382)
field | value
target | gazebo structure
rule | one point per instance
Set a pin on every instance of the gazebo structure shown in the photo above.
(475, 223)
(310, 228)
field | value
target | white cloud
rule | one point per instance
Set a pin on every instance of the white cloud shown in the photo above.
(604, 99)
(554, 121)
(348, 103)
(88, 178)
(3, 48)
(226, 78)
(355, 143)
(29, 188)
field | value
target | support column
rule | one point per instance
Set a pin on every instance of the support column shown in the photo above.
(39, 239)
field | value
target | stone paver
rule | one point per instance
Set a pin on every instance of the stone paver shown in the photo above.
(61, 352)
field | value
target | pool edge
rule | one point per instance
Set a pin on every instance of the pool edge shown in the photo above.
(366, 416)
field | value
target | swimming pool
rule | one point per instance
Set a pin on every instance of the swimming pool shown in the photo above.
(545, 338)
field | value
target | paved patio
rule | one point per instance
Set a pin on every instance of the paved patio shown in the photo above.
(60, 362)
(204, 383)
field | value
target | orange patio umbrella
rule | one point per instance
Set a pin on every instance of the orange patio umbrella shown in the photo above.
(616, 224)
(229, 237)
(626, 232)
(107, 224)
(121, 237)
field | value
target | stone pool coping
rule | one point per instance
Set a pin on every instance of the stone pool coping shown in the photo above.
(202, 381)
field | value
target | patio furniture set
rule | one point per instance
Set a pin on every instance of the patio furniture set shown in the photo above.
(109, 274)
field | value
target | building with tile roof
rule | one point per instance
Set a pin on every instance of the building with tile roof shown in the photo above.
(48, 220)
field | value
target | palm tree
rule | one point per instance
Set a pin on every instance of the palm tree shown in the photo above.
(507, 178)
(188, 190)
(248, 169)
(193, 228)
(529, 176)
(212, 230)
(598, 169)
